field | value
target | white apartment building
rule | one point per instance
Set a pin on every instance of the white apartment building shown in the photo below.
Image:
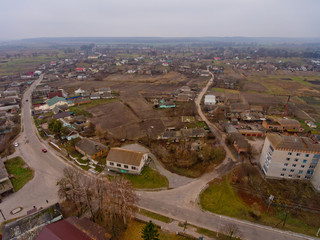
(291, 157)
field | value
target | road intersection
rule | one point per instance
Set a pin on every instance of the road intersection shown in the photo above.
(180, 203)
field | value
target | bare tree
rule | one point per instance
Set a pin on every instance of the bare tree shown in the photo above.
(232, 231)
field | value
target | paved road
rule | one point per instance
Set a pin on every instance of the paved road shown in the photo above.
(47, 167)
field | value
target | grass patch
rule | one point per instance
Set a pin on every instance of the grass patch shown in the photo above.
(155, 216)
(20, 171)
(97, 102)
(224, 90)
(148, 179)
(134, 231)
(226, 197)
(77, 111)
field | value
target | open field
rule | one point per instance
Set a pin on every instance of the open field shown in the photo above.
(237, 195)
(20, 171)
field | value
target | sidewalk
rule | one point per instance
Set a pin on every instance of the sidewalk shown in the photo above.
(173, 227)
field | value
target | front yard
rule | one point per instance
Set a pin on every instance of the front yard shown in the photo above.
(20, 171)
(149, 179)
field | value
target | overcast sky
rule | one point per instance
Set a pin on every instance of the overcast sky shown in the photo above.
(159, 18)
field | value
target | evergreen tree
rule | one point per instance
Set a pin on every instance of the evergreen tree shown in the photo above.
(150, 232)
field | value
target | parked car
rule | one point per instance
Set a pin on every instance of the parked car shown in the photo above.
(44, 150)
(16, 144)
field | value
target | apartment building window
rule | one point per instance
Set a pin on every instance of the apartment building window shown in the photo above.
(289, 153)
(111, 163)
(118, 165)
(286, 164)
(288, 159)
(296, 160)
(312, 166)
(307, 155)
(304, 161)
(284, 169)
(290, 175)
(133, 168)
(294, 165)
(282, 174)
(307, 177)
(125, 166)
(298, 176)
(292, 170)
(298, 154)
(300, 171)
(302, 166)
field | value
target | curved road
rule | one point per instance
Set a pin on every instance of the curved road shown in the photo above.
(179, 203)
(47, 166)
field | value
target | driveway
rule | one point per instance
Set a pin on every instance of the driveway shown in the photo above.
(175, 180)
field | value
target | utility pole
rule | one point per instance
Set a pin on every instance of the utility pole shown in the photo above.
(219, 226)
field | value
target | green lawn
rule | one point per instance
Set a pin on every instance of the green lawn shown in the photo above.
(221, 198)
(77, 111)
(97, 102)
(155, 216)
(148, 179)
(21, 172)
(134, 231)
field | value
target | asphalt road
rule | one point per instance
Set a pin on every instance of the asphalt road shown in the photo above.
(47, 167)
(179, 203)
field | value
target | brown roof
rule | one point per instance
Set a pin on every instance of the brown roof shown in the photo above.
(285, 122)
(125, 156)
(90, 147)
(293, 143)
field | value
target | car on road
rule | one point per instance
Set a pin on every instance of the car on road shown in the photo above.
(27, 100)
(16, 144)
(44, 150)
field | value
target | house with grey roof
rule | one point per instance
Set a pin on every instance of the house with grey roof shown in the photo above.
(5, 183)
(91, 149)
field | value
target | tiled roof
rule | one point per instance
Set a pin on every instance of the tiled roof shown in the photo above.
(125, 156)
(293, 143)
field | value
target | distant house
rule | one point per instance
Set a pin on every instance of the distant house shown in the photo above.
(5, 183)
(106, 95)
(53, 94)
(126, 161)
(74, 228)
(23, 227)
(80, 70)
(81, 100)
(166, 104)
(193, 133)
(56, 101)
(239, 142)
(91, 149)
(72, 135)
(183, 97)
(95, 96)
(187, 119)
(60, 108)
(281, 124)
(61, 115)
(104, 90)
(79, 91)
(210, 100)
(239, 108)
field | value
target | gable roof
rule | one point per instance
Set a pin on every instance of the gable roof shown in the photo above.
(56, 99)
(125, 156)
(61, 115)
(90, 147)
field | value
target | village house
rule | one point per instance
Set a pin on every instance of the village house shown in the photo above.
(291, 157)
(239, 142)
(56, 101)
(91, 149)
(62, 115)
(126, 161)
(80, 100)
(5, 183)
(282, 124)
(73, 228)
(95, 96)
